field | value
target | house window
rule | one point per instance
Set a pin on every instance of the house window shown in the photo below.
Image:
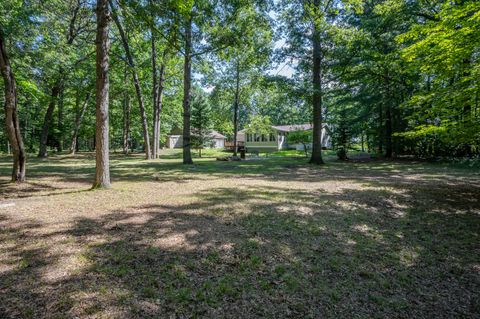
(257, 137)
(272, 137)
(264, 138)
(248, 137)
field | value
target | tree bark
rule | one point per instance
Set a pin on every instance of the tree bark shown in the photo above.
(235, 109)
(136, 82)
(158, 109)
(388, 119)
(78, 122)
(380, 126)
(48, 117)
(102, 171)
(388, 131)
(187, 82)
(60, 120)
(126, 119)
(154, 94)
(11, 115)
(316, 157)
(158, 86)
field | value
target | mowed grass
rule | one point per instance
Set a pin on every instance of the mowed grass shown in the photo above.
(268, 237)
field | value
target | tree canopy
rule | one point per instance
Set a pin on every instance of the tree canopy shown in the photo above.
(388, 76)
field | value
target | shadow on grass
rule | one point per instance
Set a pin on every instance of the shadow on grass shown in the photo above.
(254, 252)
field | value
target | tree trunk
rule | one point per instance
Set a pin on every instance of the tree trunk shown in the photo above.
(154, 94)
(60, 120)
(235, 109)
(158, 86)
(380, 126)
(102, 171)
(187, 82)
(126, 123)
(11, 116)
(363, 141)
(388, 131)
(78, 122)
(158, 108)
(388, 119)
(316, 157)
(136, 82)
(48, 117)
(126, 115)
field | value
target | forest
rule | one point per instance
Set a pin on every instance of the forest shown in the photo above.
(399, 76)
(358, 195)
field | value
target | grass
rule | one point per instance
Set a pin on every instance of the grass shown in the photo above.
(269, 237)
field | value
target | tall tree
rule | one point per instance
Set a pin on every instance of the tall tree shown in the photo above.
(11, 115)
(102, 172)
(57, 87)
(64, 36)
(201, 20)
(78, 122)
(238, 65)
(308, 27)
(317, 81)
(187, 84)
(201, 121)
(136, 81)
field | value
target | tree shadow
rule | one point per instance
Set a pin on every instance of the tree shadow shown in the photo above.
(255, 251)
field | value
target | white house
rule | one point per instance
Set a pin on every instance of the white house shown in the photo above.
(175, 139)
(278, 139)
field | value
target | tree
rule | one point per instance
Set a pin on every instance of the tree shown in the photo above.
(300, 137)
(136, 81)
(441, 46)
(235, 67)
(102, 172)
(308, 29)
(78, 122)
(11, 115)
(206, 29)
(201, 120)
(64, 55)
(259, 124)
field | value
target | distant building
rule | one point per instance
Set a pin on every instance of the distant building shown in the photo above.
(278, 139)
(175, 139)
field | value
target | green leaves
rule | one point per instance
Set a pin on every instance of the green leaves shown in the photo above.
(259, 124)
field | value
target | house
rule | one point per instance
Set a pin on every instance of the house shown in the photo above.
(175, 139)
(278, 138)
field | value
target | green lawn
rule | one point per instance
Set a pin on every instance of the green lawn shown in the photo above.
(268, 237)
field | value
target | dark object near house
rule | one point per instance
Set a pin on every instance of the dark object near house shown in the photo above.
(342, 154)
(229, 146)
(242, 153)
(229, 159)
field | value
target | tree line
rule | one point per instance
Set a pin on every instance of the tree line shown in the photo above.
(394, 76)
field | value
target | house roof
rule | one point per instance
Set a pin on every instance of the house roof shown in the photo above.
(213, 133)
(293, 128)
(290, 128)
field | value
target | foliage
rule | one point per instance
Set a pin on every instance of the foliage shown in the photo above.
(400, 76)
(201, 121)
(259, 124)
(300, 137)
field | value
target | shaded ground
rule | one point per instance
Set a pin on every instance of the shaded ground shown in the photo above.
(273, 238)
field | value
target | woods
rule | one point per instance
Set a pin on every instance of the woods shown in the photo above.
(102, 139)
(11, 115)
(240, 159)
(380, 73)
